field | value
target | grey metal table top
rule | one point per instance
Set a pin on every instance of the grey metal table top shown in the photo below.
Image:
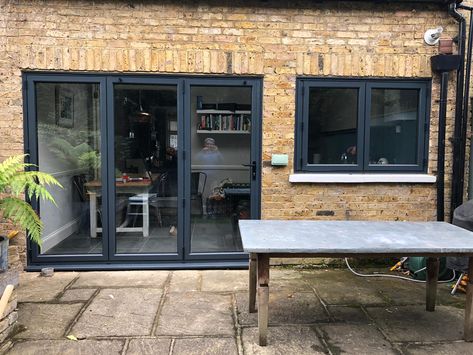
(354, 237)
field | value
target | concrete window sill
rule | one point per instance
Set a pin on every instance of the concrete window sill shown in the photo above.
(362, 178)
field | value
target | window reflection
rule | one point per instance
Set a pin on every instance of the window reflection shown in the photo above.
(220, 181)
(394, 126)
(146, 168)
(333, 116)
(69, 149)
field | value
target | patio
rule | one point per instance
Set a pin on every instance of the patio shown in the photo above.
(206, 312)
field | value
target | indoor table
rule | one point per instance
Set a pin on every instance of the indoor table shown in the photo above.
(129, 188)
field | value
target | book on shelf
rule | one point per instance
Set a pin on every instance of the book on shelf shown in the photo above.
(224, 122)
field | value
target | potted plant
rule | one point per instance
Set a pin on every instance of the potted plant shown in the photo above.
(14, 182)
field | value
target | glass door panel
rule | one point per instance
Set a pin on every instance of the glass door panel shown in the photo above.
(68, 123)
(220, 182)
(145, 121)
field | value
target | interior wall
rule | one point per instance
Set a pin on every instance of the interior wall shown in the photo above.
(56, 143)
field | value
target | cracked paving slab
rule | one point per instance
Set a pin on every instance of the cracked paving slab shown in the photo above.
(119, 312)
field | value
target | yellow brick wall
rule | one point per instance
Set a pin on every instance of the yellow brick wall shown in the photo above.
(277, 40)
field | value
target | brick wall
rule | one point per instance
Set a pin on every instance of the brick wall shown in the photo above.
(279, 40)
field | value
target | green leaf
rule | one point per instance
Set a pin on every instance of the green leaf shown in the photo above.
(22, 214)
(14, 181)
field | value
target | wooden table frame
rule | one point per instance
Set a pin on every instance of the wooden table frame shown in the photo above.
(259, 285)
(129, 188)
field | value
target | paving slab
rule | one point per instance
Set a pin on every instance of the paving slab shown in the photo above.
(359, 339)
(119, 312)
(149, 279)
(348, 314)
(341, 287)
(67, 347)
(35, 288)
(225, 280)
(46, 321)
(414, 323)
(205, 346)
(398, 291)
(196, 313)
(185, 280)
(299, 340)
(148, 346)
(77, 295)
(288, 280)
(439, 349)
(285, 308)
(202, 322)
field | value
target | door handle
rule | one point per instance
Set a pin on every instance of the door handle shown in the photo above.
(253, 169)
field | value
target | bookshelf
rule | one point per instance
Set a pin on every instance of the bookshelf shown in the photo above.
(223, 121)
(213, 131)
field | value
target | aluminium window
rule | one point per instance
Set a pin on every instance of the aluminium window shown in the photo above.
(363, 125)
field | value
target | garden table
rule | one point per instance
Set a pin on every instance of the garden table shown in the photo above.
(264, 239)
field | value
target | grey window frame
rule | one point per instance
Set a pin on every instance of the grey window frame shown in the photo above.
(303, 86)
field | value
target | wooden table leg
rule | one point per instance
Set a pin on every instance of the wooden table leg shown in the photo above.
(252, 281)
(263, 297)
(431, 286)
(468, 331)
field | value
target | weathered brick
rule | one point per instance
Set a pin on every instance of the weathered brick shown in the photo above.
(280, 40)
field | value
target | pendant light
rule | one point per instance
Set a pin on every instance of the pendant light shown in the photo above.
(141, 115)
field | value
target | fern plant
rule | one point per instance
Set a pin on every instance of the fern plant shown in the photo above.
(14, 181)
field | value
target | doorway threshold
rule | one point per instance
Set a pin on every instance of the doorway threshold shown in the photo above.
(233, 264)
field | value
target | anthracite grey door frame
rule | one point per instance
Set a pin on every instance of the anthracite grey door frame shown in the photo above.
(31, 148)
(172, 82)
(107, 259)
(255, 156)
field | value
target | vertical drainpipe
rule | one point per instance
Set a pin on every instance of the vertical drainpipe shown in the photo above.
(441, 147)
(442, 64)
(459, 135)
(466, 99)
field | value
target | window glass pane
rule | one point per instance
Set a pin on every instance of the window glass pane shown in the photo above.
(394, 126)
(146, 168)
(333, 117)
(220, 181)
(69, 148)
